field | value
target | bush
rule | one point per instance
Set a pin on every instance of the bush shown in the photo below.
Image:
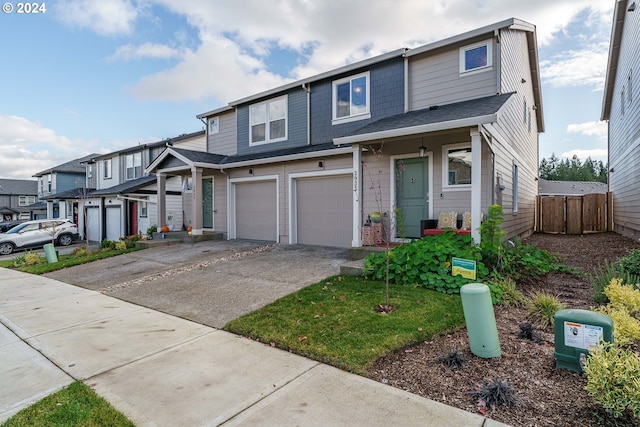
(496, 392)
(624, 296)
(120, 246)
(130, 241)
(626, 328)
(525, 263)
(630, 264)
(542, 308)
(80, 252)
(510, 292)
(612, 378)
(600, 279)
(107, 245)
(28, 258)
(491, 236)
(427, 262)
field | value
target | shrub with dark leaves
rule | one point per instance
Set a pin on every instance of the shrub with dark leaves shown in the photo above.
(453, 360)
(528, 333)
(493, 393)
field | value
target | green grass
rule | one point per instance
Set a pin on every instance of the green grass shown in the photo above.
(75, 405)
(66, 261)
(334, 321)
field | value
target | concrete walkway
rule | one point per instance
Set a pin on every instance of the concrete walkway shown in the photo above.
(161, 370)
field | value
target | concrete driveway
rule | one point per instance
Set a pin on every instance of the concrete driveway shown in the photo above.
(209, 282)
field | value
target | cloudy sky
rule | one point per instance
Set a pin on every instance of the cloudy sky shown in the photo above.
(86, 76)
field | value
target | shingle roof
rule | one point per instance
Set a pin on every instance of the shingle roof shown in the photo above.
(76, 193)
(200, 156)
(72, 166)
(19, 187)
(127, 187)
(570, 188)
(437, 114)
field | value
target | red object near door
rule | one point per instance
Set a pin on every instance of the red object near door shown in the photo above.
(133, 218)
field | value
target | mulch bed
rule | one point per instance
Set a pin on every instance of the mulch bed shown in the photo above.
(546, 396)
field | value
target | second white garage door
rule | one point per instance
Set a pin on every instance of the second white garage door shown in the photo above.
(256, 210)
(324, 208)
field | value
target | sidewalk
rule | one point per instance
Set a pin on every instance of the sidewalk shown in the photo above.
(161, 370)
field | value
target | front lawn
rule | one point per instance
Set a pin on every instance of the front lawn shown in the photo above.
(75, 405)
(335, 321)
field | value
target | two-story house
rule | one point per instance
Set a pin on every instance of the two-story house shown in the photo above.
(621, 108)
(449, 126)
(61, 186)
(16, 197)
(124, 201)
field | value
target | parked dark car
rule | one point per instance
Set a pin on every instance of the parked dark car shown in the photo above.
(37, 233)
(7, 225)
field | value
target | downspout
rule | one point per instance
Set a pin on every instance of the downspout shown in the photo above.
(307, 88)
(406, 84)
(498, 62)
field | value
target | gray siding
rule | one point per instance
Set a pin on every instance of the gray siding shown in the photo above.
(224, 142)
(515, 142)
(624, 133)
(68, 181)
(386, 98)
(435, 79)
(296, 123)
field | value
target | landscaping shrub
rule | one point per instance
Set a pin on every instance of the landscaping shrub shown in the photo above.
(130, 241)
(107, 245)
(600, 279)
(491, 236)
(493, 393)
(612, 378)
(630, 264)
(525, 263)
(621, 295)
(427, 262)
(626, 328)
(510, 292)
(79, 252)
(28, 258)
(121, 245)
(542, 307)
(453, 360)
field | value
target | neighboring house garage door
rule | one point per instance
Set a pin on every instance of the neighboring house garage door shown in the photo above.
(113, 224)
(256, 210)
(324, 207)
(93, 223)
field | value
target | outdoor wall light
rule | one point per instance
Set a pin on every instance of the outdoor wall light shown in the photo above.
(251, 171)
(422, 152)
(321, 164)
(632, 7)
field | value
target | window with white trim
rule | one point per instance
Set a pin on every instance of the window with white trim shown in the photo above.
(133, 166)
(26, 200)
(49, 183)
(214, 125)
(268, 121)
(476, 57)
(351, 98)
(456, 166)
(106, 166)
(143, 209)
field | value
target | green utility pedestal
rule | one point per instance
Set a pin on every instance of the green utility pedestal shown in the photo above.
(50, 253)
(575, 331)
(480, 320)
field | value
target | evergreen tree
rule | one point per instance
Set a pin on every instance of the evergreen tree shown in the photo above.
(573, 169)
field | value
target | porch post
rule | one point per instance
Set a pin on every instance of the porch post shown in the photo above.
(161, 184)
(476, 187)
(196, 178)
(357, 196)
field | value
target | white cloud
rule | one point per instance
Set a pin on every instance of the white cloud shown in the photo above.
(586, 67)
(145, 50)
(106, 17)
(597, 129)
(29, 148)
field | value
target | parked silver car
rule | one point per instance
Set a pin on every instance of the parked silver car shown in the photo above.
(35, 234)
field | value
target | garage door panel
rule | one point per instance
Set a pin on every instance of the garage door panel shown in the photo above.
(93, 224)
(324, 209)
(256, 210)
(114, 231)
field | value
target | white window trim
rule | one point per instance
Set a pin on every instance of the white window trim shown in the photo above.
(515, 171)
(109, 169)
(334, 94)
(445, 168)
(28, 200)
(464, 49)
(214, 125)
(268, 139)
(133, 162)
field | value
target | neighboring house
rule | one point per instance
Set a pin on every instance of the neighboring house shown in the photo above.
(621, 108)
(124, 201)
(449, 126)
(570, 188)
(60, 186)
(16, 198)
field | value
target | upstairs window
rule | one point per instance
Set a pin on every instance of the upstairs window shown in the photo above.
(49, 183)
(106, 166)
(268, 121)
(26, 200)
(457, 166)
(214, 125)
(476, 57)
(133, 166)
(351, 98)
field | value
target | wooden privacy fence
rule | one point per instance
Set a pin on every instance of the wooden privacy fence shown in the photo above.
(574, 214)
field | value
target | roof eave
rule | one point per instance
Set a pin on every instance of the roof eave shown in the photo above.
(215, 112)
(413, 130)
(619, 15)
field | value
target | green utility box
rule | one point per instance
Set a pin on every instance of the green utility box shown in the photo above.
(50, 253)
(575, 332)
(480, 320)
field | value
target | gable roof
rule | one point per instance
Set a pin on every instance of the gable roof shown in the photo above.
(18, 187)
(619, 14)
(165, 142)
(459, 114)
(570, 188)
(73, 166)
(75, 193)
(127, 187)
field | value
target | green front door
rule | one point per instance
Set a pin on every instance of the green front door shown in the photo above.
(412, 196)
(207, 203)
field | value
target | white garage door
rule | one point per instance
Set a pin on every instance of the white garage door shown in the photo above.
(114, 231)
(93, 223)
(256, 210)
(324, 207)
